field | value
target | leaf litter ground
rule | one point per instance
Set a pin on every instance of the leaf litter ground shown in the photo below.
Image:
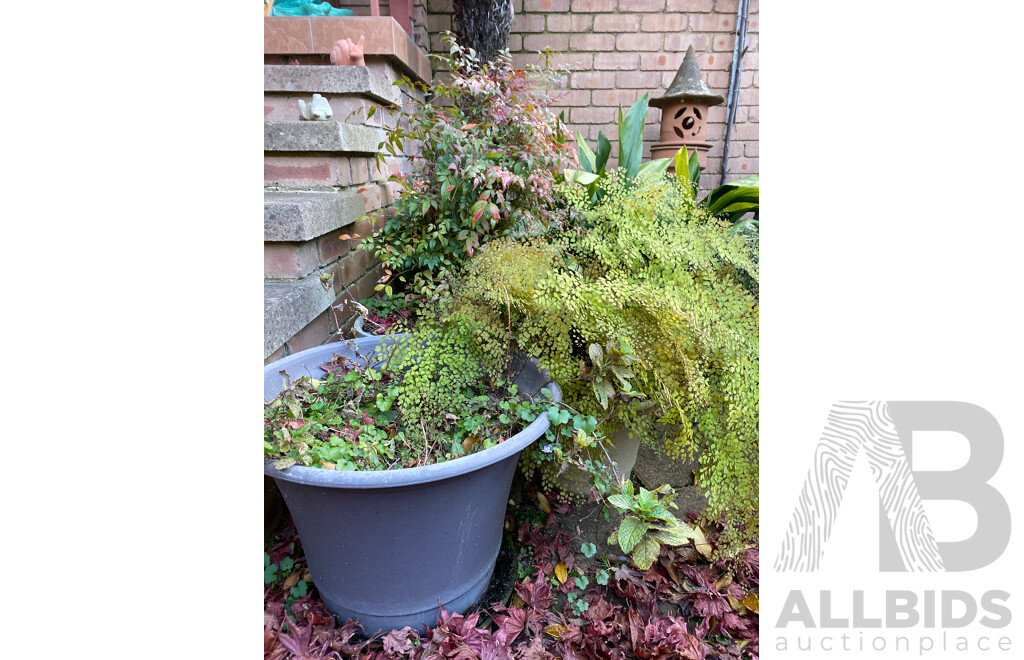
(545, 601)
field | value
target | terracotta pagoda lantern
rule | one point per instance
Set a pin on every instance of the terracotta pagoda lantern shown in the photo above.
(684, 112)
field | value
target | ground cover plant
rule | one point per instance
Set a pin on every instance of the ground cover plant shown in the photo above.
(568, 601)
(389, 413)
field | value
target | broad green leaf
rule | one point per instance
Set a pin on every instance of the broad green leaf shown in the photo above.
(596, 354)
(619, 500)
(627, 488)
(631, 136)
(630, 532)
(588, 159)
(752, 181)
(580, 177)
(588, 549)
(661, 513)
(604, 150)
(645, 500)
(656, 167)
(645, 552)
(678, 534)
(682, 166)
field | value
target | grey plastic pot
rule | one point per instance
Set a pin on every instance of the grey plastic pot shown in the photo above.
(390, 547)
(357, 327)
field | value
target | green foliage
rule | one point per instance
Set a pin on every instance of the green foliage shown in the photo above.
(647, 523)
(643, 308)
(489, 152)
(431, 399)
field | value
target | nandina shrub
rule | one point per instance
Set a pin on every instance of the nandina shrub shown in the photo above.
(490, 150)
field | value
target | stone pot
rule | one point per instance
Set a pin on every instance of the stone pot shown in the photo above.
(623, 449)
(389, 547)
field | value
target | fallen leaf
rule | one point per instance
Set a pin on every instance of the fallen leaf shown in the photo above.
(542, 501)
(469, 126)
(556, 630)
(751, 602)
(292, 580)
(561, 573)
(701, 542)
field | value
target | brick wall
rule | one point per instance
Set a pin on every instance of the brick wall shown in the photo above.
(620, 49)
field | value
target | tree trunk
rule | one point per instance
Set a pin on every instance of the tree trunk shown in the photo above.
(483, 25)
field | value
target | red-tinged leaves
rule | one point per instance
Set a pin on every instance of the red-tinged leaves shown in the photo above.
(510, 622)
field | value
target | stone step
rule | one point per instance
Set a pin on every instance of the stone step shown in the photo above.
(288, 307)
(345, 109)
(303, 216)
(321, 136)
(329, 80)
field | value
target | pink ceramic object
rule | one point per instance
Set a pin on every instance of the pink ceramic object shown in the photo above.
(346, 53)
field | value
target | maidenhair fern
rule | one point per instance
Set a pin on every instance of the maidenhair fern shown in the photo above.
(649, 271)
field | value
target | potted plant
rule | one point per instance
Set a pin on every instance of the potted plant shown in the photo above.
(395, 456)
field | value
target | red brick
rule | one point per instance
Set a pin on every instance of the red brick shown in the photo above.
(727, 6)
(663, 23)
(642, 5)
(690, 5)
(559, 23)
(713, 23)
(617, 97)
(547, 6)
(742, 166)
(751, 61)
(575, 61)
(528, 23)
(617, 23)
(748, 97)
(745, 131)
(586, 6)
(750, 149)
(592, 42)
(288, 260)
(593, 80)
(593, 115)
(439, 23)
(515, 42)
(360, 173)
(332, 245)
(290, 171)
(680, 42)
(281, 352)
(534, 42)
(618, 61)
(668, 62)
(753, 113)
(649, 80)
(717, 79)
(312, 335)
(711, 61)
(371, 197)
(639, 41)
(723, 42)
(575, 97)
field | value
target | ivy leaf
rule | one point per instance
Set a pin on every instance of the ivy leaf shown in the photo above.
(630, 532)
(645, 552)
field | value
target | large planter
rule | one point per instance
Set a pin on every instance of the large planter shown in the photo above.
(390, 547)
(622, 449)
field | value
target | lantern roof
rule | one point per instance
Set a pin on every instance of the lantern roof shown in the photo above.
(688, 86)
